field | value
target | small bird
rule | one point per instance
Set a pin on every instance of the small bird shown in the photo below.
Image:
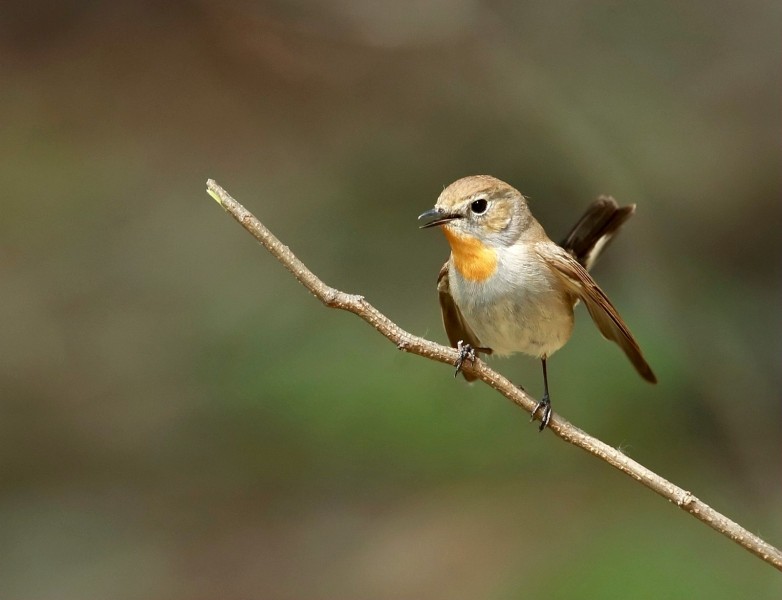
(506, 287)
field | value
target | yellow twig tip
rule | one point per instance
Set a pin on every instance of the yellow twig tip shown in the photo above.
(215, 196)
(209, 184)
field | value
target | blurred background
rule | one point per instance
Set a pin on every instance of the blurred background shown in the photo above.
(180, 419)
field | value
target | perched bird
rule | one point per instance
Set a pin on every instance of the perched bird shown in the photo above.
(506, 287)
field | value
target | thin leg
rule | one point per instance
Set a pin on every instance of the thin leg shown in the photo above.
(544, 403)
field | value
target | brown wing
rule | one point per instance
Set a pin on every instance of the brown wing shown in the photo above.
(456, 328)
(579, 283)
(595, 229)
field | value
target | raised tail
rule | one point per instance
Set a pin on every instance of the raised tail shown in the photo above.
(594, 230)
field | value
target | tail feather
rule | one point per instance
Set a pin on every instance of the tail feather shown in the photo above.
(595, 229)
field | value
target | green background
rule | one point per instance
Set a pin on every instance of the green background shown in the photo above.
(180, 419)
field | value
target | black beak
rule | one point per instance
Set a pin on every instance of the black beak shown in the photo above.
(438, 216)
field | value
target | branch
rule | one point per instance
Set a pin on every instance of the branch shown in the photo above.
(408, 342)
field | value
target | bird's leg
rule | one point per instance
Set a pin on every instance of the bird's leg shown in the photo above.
(466, 352)
(545, 402)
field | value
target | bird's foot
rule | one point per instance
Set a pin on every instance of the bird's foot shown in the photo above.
(466, 352)
(545, 404)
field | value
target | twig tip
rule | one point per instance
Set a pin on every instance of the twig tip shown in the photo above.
(211, 184)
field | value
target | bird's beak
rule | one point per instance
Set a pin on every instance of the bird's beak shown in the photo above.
(438, 217)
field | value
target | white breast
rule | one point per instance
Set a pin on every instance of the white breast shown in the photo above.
(517, 309)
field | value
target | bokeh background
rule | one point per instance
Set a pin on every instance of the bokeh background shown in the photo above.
(180, 419)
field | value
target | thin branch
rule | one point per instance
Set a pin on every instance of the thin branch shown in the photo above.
(416, 345)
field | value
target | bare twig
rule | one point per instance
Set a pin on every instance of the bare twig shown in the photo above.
(410, 343)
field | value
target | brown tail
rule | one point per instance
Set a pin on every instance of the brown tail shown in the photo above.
(594, 230)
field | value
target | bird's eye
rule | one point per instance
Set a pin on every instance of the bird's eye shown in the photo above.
(479, 206)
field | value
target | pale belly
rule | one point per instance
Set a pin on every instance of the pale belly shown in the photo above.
(524, 315)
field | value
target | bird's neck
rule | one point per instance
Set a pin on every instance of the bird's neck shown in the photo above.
(472, 258)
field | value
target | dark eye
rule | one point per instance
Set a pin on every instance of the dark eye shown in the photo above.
(479, 206)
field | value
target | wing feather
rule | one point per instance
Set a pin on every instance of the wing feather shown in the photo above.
(456, 328)
(581, 285)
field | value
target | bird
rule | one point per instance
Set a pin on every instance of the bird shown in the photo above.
(507, 287)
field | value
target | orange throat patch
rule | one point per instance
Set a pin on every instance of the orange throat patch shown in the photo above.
(473, 260)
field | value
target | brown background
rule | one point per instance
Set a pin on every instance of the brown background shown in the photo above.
(179, 419)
